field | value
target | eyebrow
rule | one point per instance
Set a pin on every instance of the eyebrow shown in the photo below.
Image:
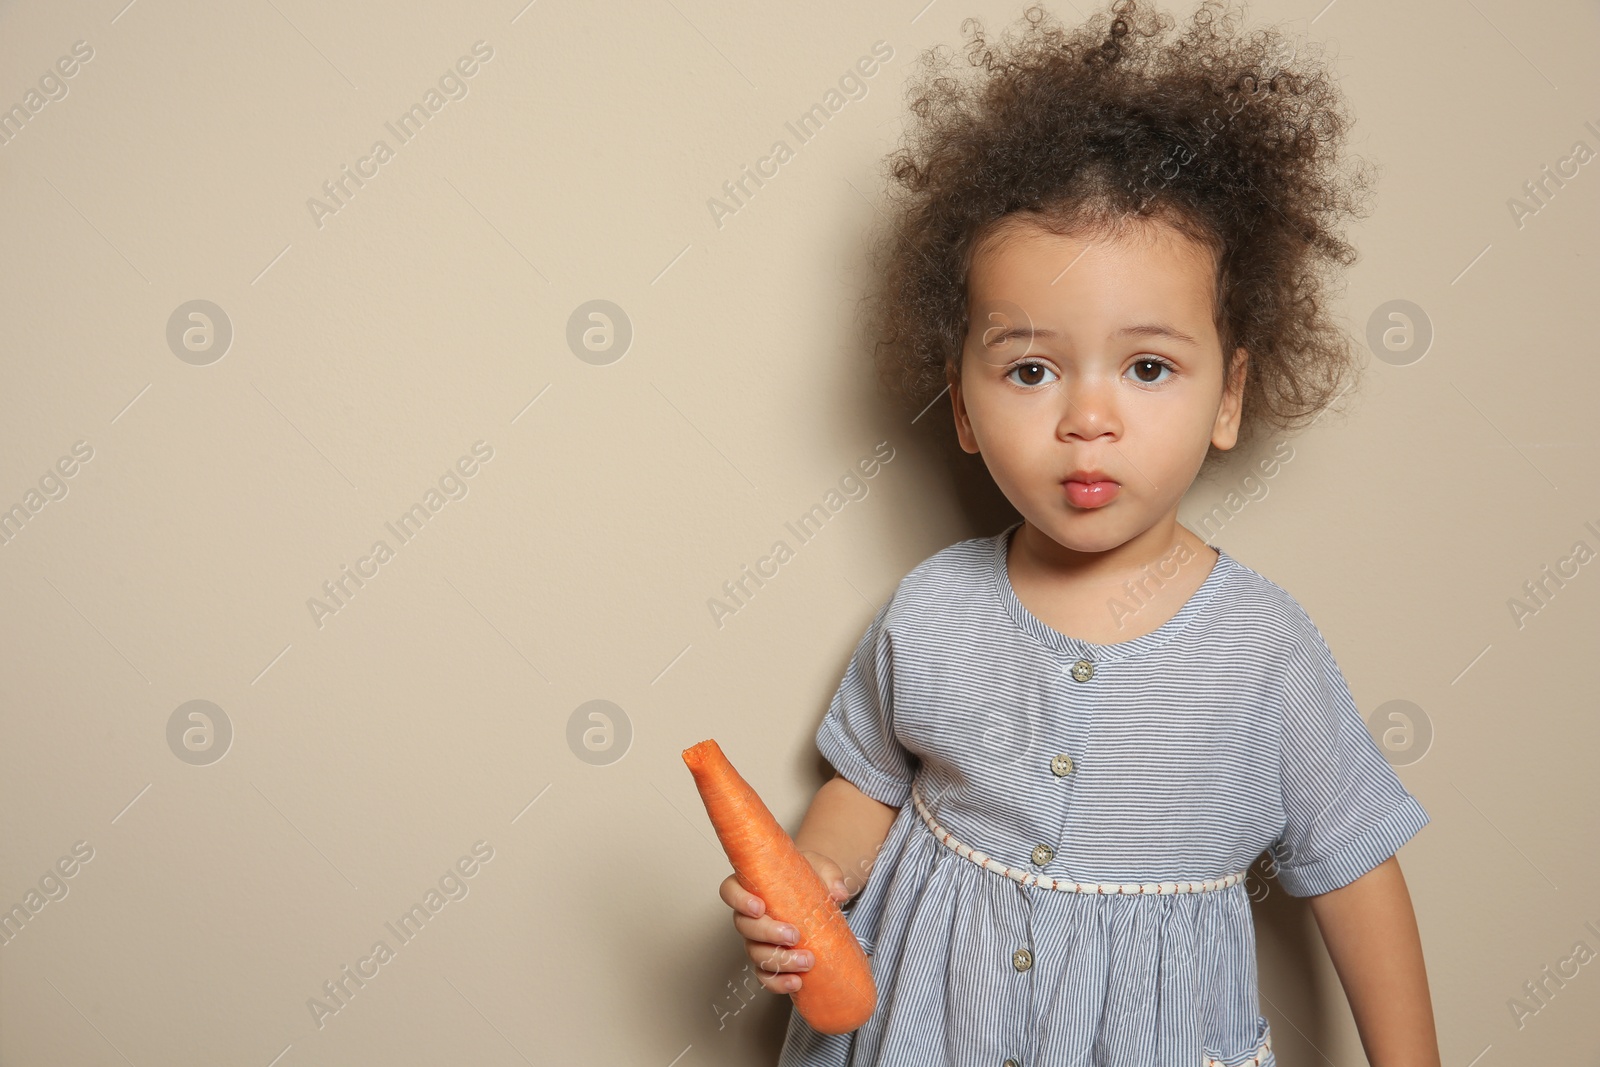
(1143, 329)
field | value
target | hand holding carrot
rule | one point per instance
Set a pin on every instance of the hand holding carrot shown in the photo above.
(766, 940)
(839, 995)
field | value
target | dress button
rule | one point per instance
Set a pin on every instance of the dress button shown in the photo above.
(1061, 765)
(1011, 1063)
(1022, 959)
(1043, 854)
(1082, 670)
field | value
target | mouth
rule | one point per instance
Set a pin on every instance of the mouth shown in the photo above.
(1090, 488)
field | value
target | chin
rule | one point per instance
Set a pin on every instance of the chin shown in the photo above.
(1081, 536)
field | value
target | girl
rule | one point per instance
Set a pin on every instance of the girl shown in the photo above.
(1060, 748)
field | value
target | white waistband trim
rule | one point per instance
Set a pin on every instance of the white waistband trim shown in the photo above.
(1026, 877)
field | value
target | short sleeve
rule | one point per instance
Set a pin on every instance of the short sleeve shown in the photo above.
(1345, 809)
(857, 734)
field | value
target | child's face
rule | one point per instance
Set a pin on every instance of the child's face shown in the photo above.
(1050, 384)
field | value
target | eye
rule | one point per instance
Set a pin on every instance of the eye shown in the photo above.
(1029, 366)
(1152, 365)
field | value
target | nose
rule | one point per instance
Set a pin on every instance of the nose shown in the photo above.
(1090, 410)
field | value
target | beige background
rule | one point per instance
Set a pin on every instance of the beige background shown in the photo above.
(432, 711)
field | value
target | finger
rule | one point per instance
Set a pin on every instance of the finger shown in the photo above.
(770, 959)
(780, 983)
(739, 898)
(766, 930)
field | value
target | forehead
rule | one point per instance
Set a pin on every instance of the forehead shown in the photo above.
(1096, 283)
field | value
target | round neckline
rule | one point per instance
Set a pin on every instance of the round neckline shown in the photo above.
(1079, 648)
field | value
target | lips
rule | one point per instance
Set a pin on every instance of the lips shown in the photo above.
(1090, 488)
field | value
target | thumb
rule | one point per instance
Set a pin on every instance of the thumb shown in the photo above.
(831, 873)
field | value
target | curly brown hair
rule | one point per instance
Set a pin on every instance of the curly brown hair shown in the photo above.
(1232, 138)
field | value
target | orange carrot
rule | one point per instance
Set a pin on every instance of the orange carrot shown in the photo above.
(837, 995)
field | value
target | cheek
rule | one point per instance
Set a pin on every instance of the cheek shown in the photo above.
(1010, 420)
(1167, 436)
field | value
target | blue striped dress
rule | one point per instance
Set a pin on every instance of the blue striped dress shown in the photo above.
(1064, 885)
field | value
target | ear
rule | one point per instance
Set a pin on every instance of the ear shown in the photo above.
(1225, 432)
(958, 406)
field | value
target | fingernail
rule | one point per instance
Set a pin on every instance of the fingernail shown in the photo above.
(838, 887)
(755, 906)
(790, 935)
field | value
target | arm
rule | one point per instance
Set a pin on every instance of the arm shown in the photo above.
(846, 826)
(1371, 934)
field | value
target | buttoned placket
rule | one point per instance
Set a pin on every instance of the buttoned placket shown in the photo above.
(1022, 966)
(1060, 767)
